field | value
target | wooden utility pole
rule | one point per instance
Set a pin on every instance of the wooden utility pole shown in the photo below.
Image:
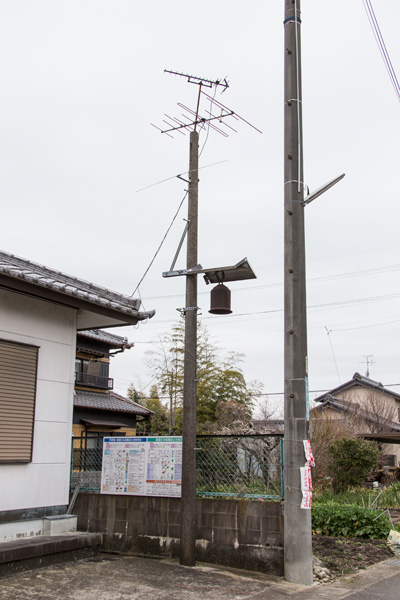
(297, 521)
(188, 502)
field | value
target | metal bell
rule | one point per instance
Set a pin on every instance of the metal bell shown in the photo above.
(220, 300)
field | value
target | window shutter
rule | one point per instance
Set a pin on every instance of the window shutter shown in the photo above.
(18, 370)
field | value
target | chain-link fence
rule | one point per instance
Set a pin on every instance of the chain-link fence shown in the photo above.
(239, 466)
(86, 462)
(249, 466)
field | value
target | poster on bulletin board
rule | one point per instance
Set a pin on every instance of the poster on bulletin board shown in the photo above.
(142, 466)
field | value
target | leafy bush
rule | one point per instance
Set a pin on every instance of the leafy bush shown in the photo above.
(351, 461)
(349, 521)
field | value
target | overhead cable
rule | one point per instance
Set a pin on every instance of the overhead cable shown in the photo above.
(382, 46)
(160, 246)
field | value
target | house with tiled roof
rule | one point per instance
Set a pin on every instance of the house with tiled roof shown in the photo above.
(98, 410)
(41, 312)
(372, 410)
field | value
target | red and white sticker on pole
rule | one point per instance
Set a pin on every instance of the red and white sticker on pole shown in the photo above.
(305, 476)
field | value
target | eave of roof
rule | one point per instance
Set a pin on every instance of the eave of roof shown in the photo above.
(358, 380)
(105, 423)
(384, 438)
(97, 306)
(112, 340)
(110, 402)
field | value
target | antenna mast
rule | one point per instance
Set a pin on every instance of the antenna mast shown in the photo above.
(188, 501)
(369, 360)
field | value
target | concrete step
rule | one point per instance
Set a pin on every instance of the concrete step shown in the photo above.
(31, 553)
(54, 525)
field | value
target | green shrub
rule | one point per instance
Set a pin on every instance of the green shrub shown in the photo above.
(350, 462)
(349, 521)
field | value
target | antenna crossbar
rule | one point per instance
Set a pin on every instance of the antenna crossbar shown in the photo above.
(201, 121)
(200, 80)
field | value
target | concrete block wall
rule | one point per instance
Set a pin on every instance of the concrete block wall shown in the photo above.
(238, 533)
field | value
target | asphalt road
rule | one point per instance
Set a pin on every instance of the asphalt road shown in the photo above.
(111, 577)
(389, 589)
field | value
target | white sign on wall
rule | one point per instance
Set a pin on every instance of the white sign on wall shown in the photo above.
(142, 466)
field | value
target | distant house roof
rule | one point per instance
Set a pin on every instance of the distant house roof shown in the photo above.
(109, 402)
(343, 406)
(112, 340)
(357, 381)
(91, 300)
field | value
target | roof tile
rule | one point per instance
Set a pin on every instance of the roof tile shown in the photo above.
(109, 401)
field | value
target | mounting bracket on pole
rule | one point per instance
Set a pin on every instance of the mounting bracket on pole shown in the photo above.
(183, 311)
(322, 190)
(242, 270)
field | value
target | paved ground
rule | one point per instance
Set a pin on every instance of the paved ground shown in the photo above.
(113, 577)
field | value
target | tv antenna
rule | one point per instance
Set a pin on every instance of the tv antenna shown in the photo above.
(369, 360)
(189, 119)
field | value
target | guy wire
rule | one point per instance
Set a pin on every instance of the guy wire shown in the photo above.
(162, 242)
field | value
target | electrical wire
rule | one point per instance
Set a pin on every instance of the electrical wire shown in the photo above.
(328, 331)
(180, 175)
(208, 128)
(367, 326)
(160, 246)
(382, 46)
(351, 274)
(322, 391)
(353, 301)
(279, 311)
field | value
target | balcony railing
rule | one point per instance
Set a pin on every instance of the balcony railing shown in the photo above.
(97, 381)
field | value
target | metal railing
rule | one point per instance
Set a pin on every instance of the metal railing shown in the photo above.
(230, 466)
(97, 381)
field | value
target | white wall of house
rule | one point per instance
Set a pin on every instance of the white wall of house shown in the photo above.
(377, 402)
(52, 327)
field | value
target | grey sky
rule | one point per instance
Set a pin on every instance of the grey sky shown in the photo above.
(81, 82)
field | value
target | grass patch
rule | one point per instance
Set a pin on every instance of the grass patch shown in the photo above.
(377, 498)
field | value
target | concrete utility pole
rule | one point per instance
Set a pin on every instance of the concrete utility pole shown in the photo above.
(188, 501)
(297, 521)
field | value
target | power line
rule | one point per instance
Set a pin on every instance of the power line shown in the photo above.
(367, 326)
(266, 394)
(354, 301)
(227, 319)
(382, 46)
(347, 275)
(328, 331)
(179, 175)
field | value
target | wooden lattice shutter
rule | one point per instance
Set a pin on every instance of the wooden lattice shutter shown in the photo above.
(18, 369)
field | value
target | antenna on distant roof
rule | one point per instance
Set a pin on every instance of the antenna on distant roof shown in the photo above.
(369, 360)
